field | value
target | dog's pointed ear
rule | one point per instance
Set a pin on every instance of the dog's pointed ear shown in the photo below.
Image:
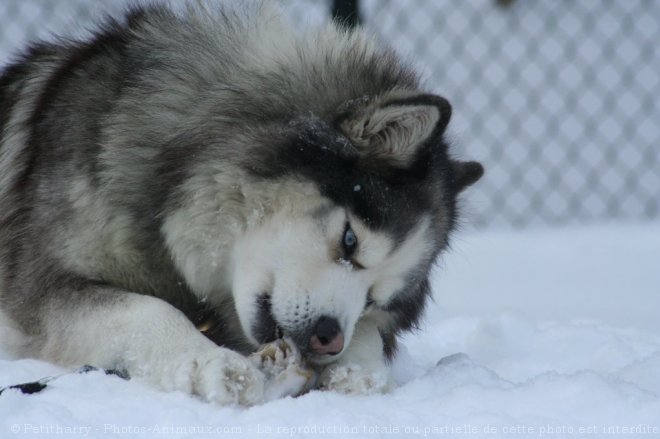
(465, 174)
(395, 130)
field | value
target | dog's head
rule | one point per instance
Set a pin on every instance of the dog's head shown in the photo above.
(359, 204)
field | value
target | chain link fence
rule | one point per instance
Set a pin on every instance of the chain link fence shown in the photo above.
(558, 99)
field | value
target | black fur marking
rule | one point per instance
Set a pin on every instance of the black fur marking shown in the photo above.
(11, 80)
(408, 307)
(389, 344)
(394, 202)
(265, 327)
(213, 323)
(465, 174)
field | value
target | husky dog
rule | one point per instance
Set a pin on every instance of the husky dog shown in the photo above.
(217, 170)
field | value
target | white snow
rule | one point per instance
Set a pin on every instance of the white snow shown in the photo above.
(546, 333)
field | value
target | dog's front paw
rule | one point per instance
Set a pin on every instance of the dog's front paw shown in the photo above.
(353, 379)
(286, 375)
(228, 378)
(215, 374)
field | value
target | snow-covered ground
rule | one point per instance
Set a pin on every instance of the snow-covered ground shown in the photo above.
(550, 333)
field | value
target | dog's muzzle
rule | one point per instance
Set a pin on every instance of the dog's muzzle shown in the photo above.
(323, 338)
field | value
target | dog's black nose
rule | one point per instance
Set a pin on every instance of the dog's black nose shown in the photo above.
(327, 337)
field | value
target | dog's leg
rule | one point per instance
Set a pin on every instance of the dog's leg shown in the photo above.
(362, 368)
(148, 338)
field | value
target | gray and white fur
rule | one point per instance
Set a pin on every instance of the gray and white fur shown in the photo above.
(215, 167)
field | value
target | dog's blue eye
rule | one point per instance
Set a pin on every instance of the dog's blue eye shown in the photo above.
(349, 241)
